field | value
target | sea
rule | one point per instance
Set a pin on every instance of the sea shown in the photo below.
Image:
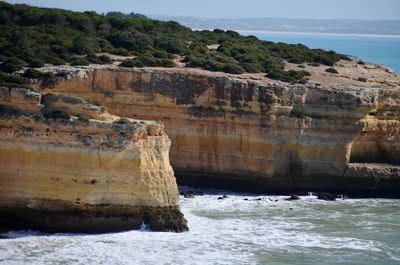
(240, 229)
(245, 228)
(379, 49)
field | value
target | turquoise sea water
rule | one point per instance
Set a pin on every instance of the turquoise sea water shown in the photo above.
(380, 50)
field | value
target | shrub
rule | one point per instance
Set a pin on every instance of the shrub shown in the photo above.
(165, 63)
(102, 59)
(36, 63)
(161, 54)
(252, 67)
(82, 45)
(55, 61)
(199, 47)
(121, 52)
(314, 64)
(331, 70)
(362, 79)
(295, 60)
(135, 62)
(105, 59)
(79, 61)
(233, 69)
(94, 60)
(13, 79)
(130, 40)
(301, 66)
(290, 76)
(11, 65)
(33, 73)
(171, 45)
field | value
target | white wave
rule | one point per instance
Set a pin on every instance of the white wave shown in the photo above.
(231, 231)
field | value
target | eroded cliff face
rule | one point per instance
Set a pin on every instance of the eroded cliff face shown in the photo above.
(250, 133)
(67, 165)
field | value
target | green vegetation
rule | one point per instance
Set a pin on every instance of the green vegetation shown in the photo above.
(31, 37)
(331, 70)
(11, 65)
(290, 76)
(314, 64)
(9, 80)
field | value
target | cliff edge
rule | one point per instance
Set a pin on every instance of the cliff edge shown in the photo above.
(339, 132)
(67, 165)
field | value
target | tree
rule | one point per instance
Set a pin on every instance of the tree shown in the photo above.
(11, 65)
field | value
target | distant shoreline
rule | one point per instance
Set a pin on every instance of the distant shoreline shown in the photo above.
(324, 33)
(315, 33)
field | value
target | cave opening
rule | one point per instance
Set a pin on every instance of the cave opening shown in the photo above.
(372, 147)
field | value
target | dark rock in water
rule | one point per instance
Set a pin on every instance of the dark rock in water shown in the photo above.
(290, 208)
(302, 193)
(276, 200)
(190, 193)
(223, 197)
(293, 197)
(259, 199)
(326, 197)
(246, 199)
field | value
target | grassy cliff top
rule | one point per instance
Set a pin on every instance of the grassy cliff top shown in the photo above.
(32, 37)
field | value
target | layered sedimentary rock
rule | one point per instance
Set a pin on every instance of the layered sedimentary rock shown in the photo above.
(248, 132)
(67, 165)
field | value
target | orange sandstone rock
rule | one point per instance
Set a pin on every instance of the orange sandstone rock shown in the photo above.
(67, 165)
(250, 133)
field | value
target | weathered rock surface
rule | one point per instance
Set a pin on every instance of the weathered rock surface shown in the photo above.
(247, 132)
(67, 165)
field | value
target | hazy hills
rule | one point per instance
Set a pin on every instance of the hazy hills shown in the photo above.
(339, 26)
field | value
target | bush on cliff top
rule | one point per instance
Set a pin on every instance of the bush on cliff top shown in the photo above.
(331, 70)
(42, 35)
(11, 65)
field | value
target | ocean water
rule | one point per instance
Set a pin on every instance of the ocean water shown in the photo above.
(260, 230)
(375, 49)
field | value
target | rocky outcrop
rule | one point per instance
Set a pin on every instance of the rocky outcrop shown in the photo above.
(67, 165)
(250, 133)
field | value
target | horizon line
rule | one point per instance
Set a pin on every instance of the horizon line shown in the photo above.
(237, 18)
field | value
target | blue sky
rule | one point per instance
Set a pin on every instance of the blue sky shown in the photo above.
(318, 9)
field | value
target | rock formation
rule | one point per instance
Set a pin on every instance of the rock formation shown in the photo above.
(67, 165)
(338, 133)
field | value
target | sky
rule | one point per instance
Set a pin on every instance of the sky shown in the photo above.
(314, 9)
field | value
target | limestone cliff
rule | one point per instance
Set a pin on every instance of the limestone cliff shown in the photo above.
(338, 133)
(67, 165)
